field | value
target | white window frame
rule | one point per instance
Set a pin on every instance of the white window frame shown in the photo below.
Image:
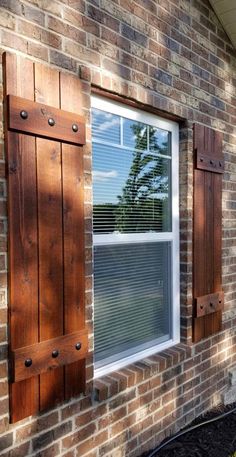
(125, 111)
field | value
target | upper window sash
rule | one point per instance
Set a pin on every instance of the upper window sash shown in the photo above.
(143, 117)
(133, 113)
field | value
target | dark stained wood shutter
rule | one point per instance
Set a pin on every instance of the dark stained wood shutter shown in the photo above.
(46, 235)
(207, 232)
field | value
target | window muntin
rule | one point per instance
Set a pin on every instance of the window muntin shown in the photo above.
(135, 192)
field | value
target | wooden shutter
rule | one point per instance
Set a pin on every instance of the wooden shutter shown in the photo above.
(207, 232)
(45, 133)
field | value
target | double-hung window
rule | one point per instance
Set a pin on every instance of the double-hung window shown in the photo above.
(135, 234)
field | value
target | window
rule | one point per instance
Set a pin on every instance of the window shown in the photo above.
(136, 240)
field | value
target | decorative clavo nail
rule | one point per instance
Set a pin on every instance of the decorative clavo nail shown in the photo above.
(55, 353)
(23, 114)
(51, 122)
(28, 363)
(75, 128)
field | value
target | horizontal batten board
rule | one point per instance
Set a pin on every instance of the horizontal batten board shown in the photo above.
(46, 121)
(42, 357)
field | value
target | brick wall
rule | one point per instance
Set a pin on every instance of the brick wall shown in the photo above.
(171, 55)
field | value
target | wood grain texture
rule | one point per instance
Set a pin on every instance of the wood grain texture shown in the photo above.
(50, 236)
(217, 203)
(51, 297)
(207, 229)
(46, 235)
(199, 274)
(42, 356)
(37, 124)
(50, 261)
(208, 304)
(74, 246)
(22, 237)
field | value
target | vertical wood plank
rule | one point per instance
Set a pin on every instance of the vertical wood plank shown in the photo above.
(217, 202)
(23, 255)
(199, 223)
(50, 237)
(73, 220)
(209, 233)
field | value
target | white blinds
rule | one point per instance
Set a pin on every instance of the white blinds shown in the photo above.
(132, 299)
(131, 186)
(132, 197)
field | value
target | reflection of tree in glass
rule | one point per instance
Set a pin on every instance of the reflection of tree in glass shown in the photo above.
(145, 194)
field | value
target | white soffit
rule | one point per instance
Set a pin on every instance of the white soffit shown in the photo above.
(226, 12)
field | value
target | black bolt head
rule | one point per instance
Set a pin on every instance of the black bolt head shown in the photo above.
(75, 128)
(55, 353)
(78, 346)
(23, 114)
(28, 362)
(51, 122)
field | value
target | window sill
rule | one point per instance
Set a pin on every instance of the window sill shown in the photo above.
(108, 386)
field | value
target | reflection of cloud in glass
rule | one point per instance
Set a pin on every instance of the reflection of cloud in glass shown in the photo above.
(142, 132)
(159, 140)
(134, 134)
(99, 176)
(109, 123)
(161, 196)
(162, 136)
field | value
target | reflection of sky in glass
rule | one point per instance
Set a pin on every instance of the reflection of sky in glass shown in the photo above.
(131, 181)
(111, 167)
(159, 141)
(135, 134)
(106, 126)
(114, 165)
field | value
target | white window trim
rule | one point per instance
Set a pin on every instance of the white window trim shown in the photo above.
(151, 119)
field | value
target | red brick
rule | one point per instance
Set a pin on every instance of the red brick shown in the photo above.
(94, 441)
(14, 41)
(78, 436)
(122, 425)
(112, 417)
(69, 31)
(91, 415)
(3, 334)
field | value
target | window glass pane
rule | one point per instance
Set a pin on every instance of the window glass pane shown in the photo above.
(135, 134)
(106, 126)
(132, 298)
(159, 141)
(131, 191)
